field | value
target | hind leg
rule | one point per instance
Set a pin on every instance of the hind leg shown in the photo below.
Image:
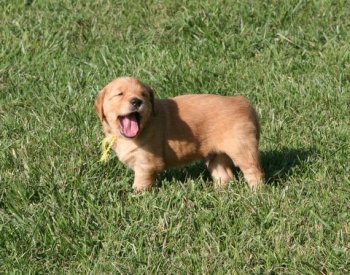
(219, 165)
(246, 156)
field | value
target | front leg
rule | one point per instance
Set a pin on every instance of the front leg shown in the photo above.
(144, 179)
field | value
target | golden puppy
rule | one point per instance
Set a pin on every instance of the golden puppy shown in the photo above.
(154, 134)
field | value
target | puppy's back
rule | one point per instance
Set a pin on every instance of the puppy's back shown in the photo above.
(216, 113)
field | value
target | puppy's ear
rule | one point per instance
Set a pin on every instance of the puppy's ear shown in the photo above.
(151, 96)
(99, 104)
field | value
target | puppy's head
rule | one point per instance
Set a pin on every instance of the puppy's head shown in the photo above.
(125, 105)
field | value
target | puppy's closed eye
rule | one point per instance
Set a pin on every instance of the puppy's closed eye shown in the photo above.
(116, 95)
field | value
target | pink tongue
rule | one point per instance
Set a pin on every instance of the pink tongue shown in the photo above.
(129, 124)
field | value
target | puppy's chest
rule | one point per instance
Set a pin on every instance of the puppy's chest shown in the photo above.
(132, 155)
(126, 152)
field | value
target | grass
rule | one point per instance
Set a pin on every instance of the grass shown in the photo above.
(63, 211)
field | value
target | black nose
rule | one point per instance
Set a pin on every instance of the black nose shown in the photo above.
(136, 102)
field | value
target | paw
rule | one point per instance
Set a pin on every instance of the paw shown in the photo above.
(141, 188)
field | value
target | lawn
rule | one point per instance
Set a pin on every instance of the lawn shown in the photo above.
(63, 211)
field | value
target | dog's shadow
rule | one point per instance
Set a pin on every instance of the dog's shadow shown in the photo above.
(196, 171)
(278, 165)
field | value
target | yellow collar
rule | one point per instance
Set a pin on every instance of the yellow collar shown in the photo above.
(106, 145)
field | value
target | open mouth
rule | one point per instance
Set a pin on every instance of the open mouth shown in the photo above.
(130, 124)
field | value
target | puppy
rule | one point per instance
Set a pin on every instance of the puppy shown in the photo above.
(154, 134)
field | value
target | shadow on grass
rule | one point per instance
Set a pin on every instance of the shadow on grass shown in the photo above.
(277, 164)
(186, 173)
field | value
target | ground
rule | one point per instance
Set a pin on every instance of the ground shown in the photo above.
(61, 210)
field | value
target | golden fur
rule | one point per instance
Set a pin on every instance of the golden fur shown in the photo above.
(170, 132)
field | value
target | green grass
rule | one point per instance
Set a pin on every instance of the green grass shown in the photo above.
(61, 210)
